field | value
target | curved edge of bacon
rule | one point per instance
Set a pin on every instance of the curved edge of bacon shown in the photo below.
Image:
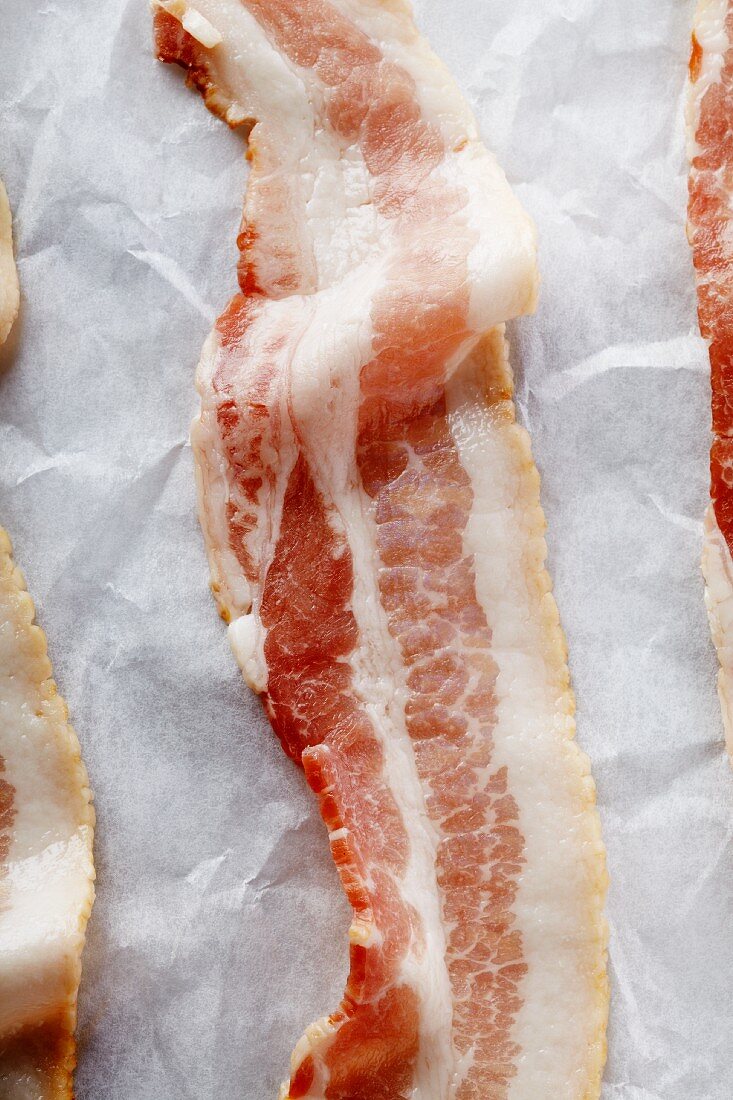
(487, 377)
(490, 371)
(9, 289)
(371, 513)
(709, 116)
(46, 868)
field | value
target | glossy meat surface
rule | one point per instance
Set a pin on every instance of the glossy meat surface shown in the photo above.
(372, 518)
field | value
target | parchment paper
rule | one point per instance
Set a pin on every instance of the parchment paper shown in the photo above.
(219, 927)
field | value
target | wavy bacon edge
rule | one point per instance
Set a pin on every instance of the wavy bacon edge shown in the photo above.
(492, 357)
(717, 568)
(718, 572)
(48, 1050)
(494, 351)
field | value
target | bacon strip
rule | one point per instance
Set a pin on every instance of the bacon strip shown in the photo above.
(46, 872)
(372, 517)
(709, 125)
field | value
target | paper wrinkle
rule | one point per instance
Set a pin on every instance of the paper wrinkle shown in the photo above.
(718, 863)
(680, 353)
(169, 270)
(220, 929)
(688, 523)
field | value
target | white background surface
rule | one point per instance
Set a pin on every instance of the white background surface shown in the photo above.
(219, 929)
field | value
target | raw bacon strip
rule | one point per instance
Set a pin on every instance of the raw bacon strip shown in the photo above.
(710, 226)
(9, 293)
(372, 517)
(46, 872)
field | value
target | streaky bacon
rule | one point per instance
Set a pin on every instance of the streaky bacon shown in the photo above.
(372, 517)
(710, 124)
(46, 825)
(46, 871)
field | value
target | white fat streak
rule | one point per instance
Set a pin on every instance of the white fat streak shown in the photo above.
(192, 21)
(256, 77)
(711, 33)
(717, 568)
(329, 181)
(40, 937)
(502, 263)
(328, 178)
(391, 27)
(325, 402)
(261, 84)
(558, 908)
(247, 639)
(230, 587)
(233, 591)
(345, 227)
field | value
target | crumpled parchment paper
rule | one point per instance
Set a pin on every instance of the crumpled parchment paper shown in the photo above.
(219, 927)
